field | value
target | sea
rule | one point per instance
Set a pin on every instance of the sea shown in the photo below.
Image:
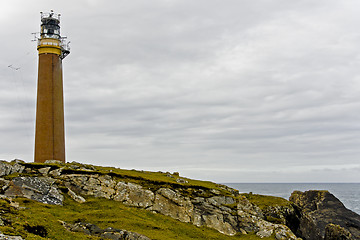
(347, 193)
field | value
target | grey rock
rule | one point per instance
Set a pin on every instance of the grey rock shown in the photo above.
(19, 161)
(286, 215)
(170, 203)
(209, 213)
(244, 207)
(76, 197)
(95, 185)
(54, 161)
(198, 200)
(336, 232)
(173, 196)
(78, 183)
(133, 195)
(104, 186)
(10, 168)
(283, 233)
(214, 191)
(108, 233)
(221, 200)
(218, 222)
(264, 233)
(56, 172)
(4, 184)
(229, 189)
(106, 180)
(80, 166)
(216, 201)
(169, 175)
(8, 237)
(74, 167)
(318, 210)
(181, 180)
(266, 229)
(44, 171)
(41, 189)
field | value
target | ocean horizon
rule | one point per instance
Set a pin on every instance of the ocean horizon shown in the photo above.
(347, 193)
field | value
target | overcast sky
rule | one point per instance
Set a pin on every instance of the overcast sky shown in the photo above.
(220, 90)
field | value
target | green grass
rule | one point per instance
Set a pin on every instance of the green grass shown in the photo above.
(147, 179)
(159, 178)
(264, 201)
(108, 213)
(104, 213)
(131, 175)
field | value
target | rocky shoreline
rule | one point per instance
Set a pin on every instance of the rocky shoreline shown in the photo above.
(308, 215)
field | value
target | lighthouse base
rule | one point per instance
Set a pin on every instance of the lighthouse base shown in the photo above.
(49, 133)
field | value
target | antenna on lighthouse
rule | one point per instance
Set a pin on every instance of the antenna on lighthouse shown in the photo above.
(50, 33)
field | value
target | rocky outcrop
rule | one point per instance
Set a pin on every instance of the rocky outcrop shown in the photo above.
(335, 232)
(7, 169)
(312, 215)
(280, 214)
(222, 209)
(171, 203)
(108, 233)
(41, 189)
(323, 216)
(76, 197)
(212, 211)
(133, 195)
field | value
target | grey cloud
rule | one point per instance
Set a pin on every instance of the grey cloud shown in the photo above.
(255, 88)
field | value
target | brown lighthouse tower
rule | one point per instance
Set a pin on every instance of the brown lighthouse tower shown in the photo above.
(49, 130)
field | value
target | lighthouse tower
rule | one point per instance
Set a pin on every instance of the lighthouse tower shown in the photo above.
(49, 130)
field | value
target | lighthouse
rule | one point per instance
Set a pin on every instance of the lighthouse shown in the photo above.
(49, 129)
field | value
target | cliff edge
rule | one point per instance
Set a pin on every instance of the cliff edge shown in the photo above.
(323, 216)
(76, 201)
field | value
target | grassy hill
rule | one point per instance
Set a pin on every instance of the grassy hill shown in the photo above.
(45, 220)
(34, 220)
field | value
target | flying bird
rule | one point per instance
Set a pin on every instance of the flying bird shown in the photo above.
(14, 68)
